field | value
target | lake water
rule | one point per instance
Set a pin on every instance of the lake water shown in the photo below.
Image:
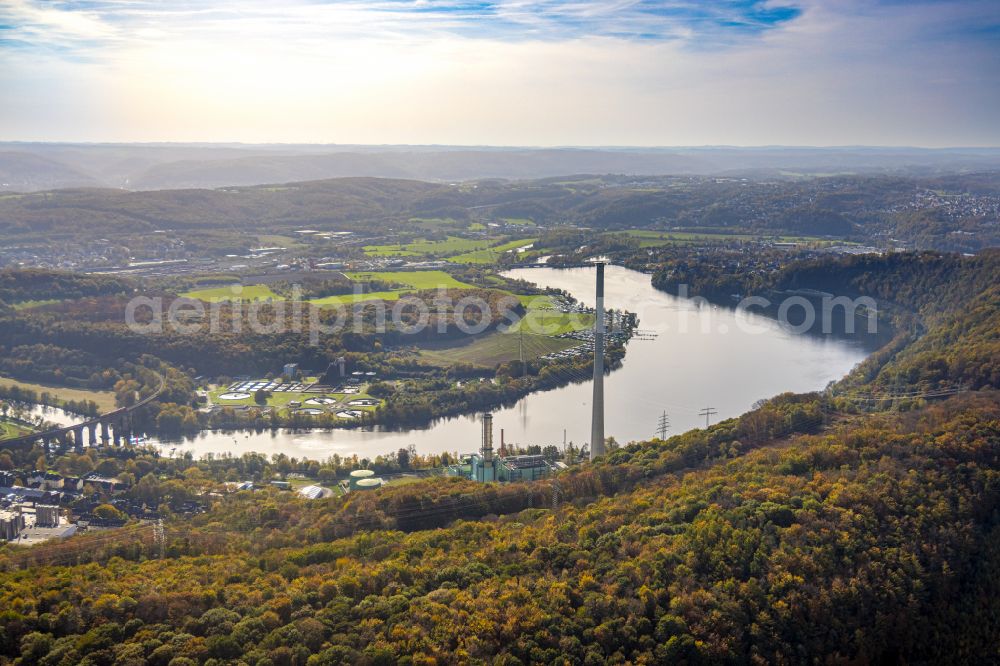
(54, 415)
(701, 356)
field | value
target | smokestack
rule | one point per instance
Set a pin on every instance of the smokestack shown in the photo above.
(487, 437)
(503, 448)
(597, 422)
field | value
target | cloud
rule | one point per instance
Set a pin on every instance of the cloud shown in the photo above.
(75, 21)
(527, 72)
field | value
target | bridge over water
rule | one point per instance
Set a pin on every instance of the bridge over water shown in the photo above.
(115, 428)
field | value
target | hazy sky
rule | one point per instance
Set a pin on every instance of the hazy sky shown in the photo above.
(506, 72)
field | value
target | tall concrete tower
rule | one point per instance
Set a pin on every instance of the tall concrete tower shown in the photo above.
(487, 449)
(597, 422)
(484, 467)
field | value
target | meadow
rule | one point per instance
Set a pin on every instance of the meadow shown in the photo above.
(409, 280)
(8, 429)
(105, 399)
(489, 255)
(487, 351)
(456, 250)
(649, 238)
(449, 246)
(543, 318)
(256, 292)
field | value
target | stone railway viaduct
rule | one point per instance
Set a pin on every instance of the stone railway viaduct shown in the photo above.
(115, 428)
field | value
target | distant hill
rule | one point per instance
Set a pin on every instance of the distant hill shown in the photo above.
(32, 166)
(953, 213)
(22, 171)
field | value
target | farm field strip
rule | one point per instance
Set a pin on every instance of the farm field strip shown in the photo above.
(105, 399)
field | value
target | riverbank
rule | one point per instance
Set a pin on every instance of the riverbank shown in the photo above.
(690, 356)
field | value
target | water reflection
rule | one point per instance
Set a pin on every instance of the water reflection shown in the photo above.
(701, 356)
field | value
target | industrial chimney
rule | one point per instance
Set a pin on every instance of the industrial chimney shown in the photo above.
(597, 422)
(487, 438)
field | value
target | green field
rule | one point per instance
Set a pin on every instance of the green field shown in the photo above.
(648, 238)
(457, 250)
(450, 246)
(411, 279)
(489, 255)
(26, 305)
(346, 299)
(257, 292)
(488, 350)
(540, 322)
(8, 429)
(659, 238)
(553, 322)
(543, 319)
(105, 399)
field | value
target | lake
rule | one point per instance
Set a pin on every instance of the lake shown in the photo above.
(691, 356)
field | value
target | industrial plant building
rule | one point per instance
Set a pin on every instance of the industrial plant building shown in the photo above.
(11, 524)
(30, 525)
(485, 466)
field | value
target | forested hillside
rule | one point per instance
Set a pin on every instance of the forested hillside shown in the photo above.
(944, 310)
(958, 212)
(875, 541)
(814, 528)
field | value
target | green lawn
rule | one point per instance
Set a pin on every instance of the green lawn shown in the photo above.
(489, 255)
(257, 292)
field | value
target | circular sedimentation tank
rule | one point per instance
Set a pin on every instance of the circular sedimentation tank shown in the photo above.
(309, 411)
(360, 475)
(368, 484)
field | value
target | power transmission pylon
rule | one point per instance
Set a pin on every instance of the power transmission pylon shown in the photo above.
(555, 494)
(159, 538)
(663, 426)
(708, 412)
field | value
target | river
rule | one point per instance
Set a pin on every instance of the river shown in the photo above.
(701, 356)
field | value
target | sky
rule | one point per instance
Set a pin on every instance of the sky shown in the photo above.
(503, 72)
